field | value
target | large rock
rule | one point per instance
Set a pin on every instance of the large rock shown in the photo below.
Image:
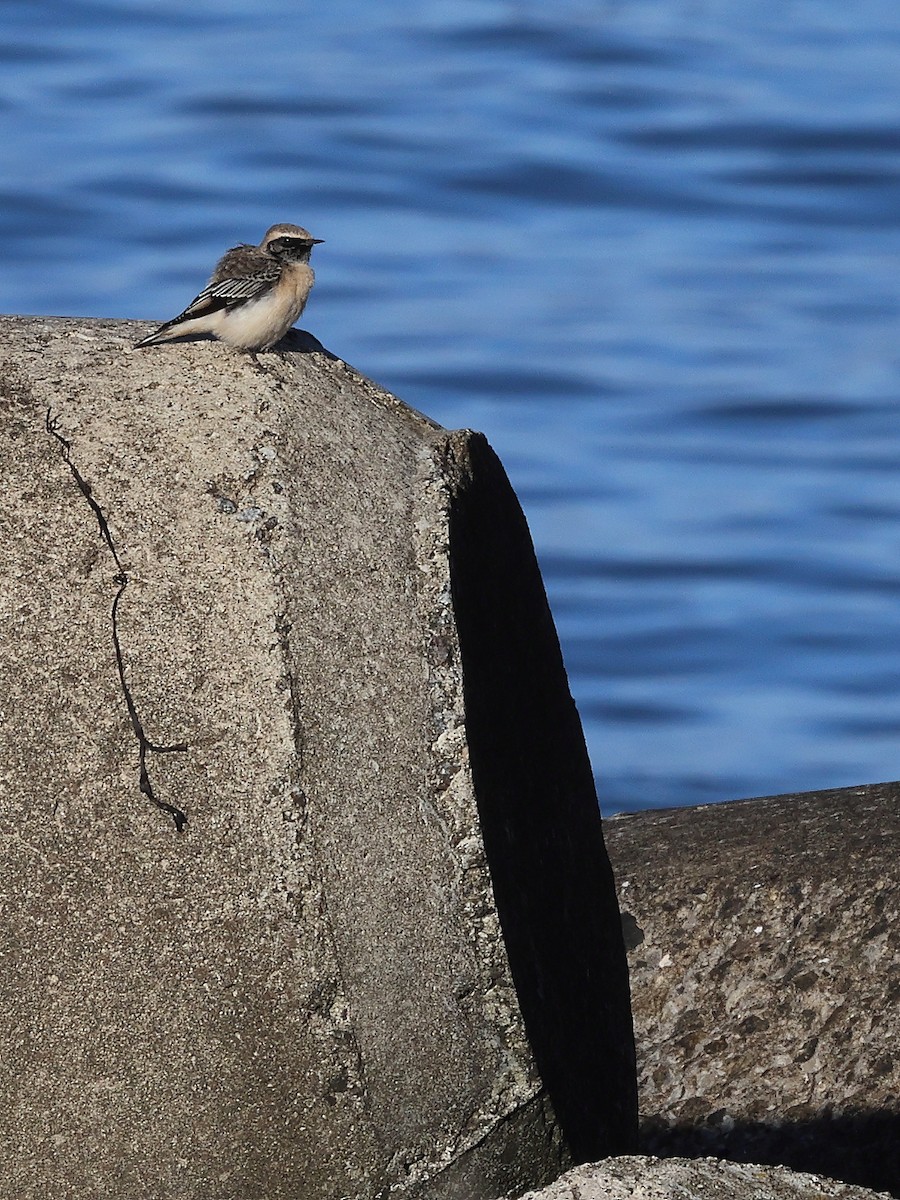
(279, 694)
(637, 1178)
(766, 979)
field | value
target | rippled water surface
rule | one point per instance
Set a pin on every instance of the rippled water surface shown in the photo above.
(651, 249)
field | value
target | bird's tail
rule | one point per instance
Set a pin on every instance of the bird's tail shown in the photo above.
(158, 335)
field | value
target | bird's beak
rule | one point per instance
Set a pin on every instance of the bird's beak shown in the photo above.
(317, 241)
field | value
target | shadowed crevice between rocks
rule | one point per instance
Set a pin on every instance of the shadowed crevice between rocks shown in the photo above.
(861, 1148)
(145, 746)
(538, 811)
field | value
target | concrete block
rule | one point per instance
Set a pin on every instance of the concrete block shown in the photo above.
(304, 888)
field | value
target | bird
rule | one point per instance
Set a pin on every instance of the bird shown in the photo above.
(254, 296)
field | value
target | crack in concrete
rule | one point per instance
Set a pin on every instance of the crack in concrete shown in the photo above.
(145, 746)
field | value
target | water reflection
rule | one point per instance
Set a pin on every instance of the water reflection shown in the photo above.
(650, 248)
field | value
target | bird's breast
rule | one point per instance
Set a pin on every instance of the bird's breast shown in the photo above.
(294, 287)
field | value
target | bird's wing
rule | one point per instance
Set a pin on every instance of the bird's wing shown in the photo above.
(243, 274)
(239, 277)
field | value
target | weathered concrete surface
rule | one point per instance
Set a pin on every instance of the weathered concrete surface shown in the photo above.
(304, 992)
(637, 1178)
(765, 975)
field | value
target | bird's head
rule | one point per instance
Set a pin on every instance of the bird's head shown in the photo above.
(289, 243)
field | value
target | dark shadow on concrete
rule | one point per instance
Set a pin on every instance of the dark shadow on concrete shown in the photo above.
(862, 1148)
(539, 815)
(301, 341)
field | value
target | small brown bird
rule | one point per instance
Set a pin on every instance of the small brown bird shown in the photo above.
(255, 294)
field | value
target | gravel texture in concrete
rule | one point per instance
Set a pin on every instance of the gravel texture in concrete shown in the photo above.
(765, 978)
(638, 1178)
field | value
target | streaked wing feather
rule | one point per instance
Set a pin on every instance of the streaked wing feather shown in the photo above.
(228, 293)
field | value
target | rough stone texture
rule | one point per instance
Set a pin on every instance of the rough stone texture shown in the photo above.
(636, 1178)
(305, 991)
(765, 979)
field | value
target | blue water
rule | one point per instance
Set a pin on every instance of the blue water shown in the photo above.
(651, 248)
